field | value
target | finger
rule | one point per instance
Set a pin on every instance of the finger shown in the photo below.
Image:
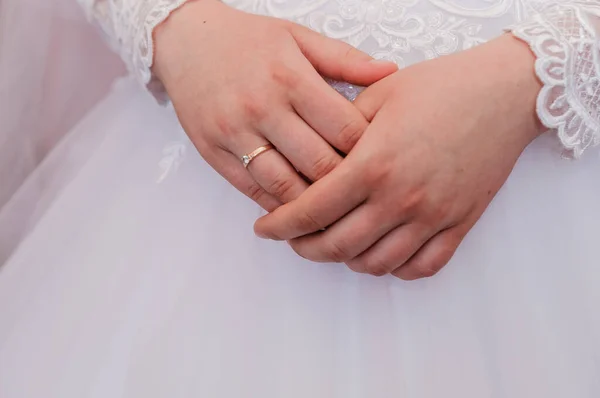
(323, 203)
(270, 169)
(332, 116)
(275, 174)
(228, 166)
(432, 256)
(340, 61)
(370, 101)
(348, 237)
(336, 119)
(302, 146)
(392, 251)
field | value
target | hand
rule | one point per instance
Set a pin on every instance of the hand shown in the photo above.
(444, 136)
(240, 81)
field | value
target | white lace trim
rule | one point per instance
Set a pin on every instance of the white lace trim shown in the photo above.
(145, 44)
(563, 34)
(129, 26)
(567, 49)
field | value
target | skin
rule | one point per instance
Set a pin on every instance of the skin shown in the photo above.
(444, 136)
(205, 54)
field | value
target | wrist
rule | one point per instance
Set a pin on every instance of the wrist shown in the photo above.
(183, 24)
(511, 65)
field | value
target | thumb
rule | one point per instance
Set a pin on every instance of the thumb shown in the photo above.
(370, 101)
(340, 61)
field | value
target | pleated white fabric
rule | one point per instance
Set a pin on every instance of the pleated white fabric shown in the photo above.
(54, 67)
(129, 288)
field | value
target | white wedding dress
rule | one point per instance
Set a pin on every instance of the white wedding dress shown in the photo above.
(138, 274)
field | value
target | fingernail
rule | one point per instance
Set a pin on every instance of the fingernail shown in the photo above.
(261, 235)
(268, 237)
(381, 62)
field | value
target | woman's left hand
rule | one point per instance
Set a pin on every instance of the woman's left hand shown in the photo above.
(445, 135)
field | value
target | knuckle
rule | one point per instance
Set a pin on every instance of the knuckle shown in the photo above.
(444, 254)
(306, 222)
(255, 192)
(438, 213)
(376, 267)
(285, 77)
(413, 202)
(323, 166)
(441, 212)
(298, 249)
(351, 52)
(375, 173)
(350, 133)
(436, 262)
(281, 186)
(427, 270)
(337, 253)
(356, 265)
(226, 128)
(254, 108)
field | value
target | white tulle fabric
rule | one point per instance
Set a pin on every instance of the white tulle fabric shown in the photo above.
(130, 289)
(43, 93)
(125, 288)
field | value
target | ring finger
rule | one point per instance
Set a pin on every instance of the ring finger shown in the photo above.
(270, 169)
(228, 166)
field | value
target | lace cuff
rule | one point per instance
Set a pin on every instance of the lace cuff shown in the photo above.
(129, 26)
(564, 36)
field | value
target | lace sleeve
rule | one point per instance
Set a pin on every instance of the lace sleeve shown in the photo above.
(128, 26)
(565, 37)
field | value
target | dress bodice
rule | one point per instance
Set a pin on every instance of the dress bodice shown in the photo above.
(564, 34)
(405, 31)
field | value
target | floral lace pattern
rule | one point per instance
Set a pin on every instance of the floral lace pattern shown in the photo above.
(403, 31)
(566, 43)
(562, 33)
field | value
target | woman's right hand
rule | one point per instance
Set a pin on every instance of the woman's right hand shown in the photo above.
(240, 81)
(444, 137)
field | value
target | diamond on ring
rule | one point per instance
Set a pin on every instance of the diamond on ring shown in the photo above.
(247, 158)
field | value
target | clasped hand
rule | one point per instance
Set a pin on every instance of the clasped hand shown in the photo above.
(444, 136)
(240, 81)
(428, 147)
